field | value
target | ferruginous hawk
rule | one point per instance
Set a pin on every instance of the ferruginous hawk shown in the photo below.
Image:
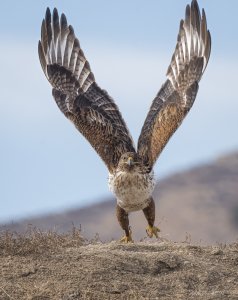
(97, 117)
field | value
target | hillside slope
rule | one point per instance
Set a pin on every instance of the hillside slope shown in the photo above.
(200, 204)
(51, 266)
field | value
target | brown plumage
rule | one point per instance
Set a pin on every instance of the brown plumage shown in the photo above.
(76, 93)
(97, 117)
(177, 95)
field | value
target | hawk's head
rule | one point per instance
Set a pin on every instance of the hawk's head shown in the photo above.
(129, 162)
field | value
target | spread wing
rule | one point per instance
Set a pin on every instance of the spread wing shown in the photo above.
(178, 93)
(91, 109)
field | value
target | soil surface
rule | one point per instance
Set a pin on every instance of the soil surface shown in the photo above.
(44, 266)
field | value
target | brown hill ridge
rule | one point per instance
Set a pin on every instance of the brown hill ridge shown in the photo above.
(48, 266)
(200, 204)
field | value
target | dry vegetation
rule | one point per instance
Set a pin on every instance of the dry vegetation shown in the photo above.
(47, 265)
(35, 241)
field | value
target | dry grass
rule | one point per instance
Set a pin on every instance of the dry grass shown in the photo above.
(40, 265)
(36, 241)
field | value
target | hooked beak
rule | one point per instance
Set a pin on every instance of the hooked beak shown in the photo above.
(130, 161)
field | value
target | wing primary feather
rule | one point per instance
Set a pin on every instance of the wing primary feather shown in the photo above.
(50, 45)
(48, 25)
(63, 34)
(56, 25)
(196, 18)
(68, 46)
(74, 54)
(203, 31)
(79, 63)
(57, 33)
(42, 57)
(63, 25)
(44, 37)
(207, 51)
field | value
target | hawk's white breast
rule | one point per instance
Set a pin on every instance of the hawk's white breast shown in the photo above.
(132, 189)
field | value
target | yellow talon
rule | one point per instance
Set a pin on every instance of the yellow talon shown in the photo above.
(127, 239)
(152, 231)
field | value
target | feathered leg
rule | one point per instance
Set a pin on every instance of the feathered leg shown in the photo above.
(123, 220)
(149, 213)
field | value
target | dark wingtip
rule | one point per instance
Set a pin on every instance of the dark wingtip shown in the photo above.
(71, 30)
(209, 34)
(63, 20)
(180, 30)
(55, 15)
(187, 10)
(42, 57)
(55, 11)
(42, 24)
(187, 14)
(76, 43)
(194, 3)
(209, 40)
(39, 48)
(196, 8)
(181, 23)
(203, 14)
(47, 14)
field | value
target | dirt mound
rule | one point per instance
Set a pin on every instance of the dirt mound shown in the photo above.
(41, 266)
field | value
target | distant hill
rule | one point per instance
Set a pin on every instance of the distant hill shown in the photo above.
(200, 205)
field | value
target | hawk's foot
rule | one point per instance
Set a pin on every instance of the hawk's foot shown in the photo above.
(152, 231)
(127, 239)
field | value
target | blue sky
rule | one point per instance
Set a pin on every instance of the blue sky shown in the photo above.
(46, 165)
